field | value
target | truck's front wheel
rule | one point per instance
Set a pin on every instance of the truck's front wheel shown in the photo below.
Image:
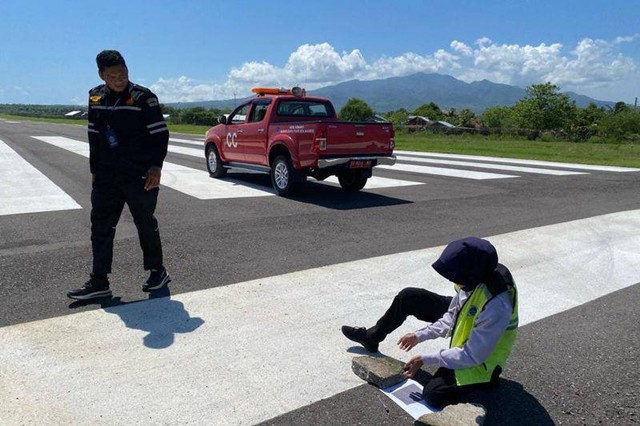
(214, 163)
(283, 175)
(352, 180)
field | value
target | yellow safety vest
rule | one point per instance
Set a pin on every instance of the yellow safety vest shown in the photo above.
(465, 321)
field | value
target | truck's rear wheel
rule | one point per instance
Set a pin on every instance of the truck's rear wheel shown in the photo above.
(352, 180)
(214, 163)
(283, 176)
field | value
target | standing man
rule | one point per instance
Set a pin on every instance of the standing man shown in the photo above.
(481, 320)
(128, 139)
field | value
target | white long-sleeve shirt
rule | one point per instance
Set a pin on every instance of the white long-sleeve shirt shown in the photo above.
(489, 327)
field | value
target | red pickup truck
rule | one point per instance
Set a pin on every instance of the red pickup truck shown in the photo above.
(291, 136)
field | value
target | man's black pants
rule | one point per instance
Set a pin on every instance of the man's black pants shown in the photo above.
(108, 196)
(441, 389)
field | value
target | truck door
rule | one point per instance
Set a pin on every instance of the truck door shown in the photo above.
(254, 138)
(232, 144)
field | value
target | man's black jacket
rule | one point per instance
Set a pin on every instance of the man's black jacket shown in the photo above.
(135, 117)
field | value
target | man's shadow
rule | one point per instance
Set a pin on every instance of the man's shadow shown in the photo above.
(160, 316)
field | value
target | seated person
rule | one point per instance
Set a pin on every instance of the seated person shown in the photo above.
(481, 320)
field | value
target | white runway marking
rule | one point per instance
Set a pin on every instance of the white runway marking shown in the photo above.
(489, 166)
(441, 171)
(575, 166)
(191, 152)
(190, 142)
(248, 352)
(24, 189)
(373, 182)
(193, 182)
(197, 183)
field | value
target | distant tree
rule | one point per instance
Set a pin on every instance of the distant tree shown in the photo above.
(398, 118)
(431, 111)
(498, 117)
(620, 125)
(199, 116)
(466, 118)
(544, 108)
(620, 107)
(355, 110)
(589, 116)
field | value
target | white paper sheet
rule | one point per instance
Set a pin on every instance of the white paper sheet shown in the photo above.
(408, 395)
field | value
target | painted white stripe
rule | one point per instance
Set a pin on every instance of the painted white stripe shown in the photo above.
(197, 183)
(373, 182)
(441, 171)
(24, 189)
(77, 147)
(247, 352)
(191, 152)
(188, 142)
(488, 166)
(193, 182)
(517, 161)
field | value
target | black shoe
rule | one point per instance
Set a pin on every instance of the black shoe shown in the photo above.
(359, 335)
(95, 288)
(157, 279)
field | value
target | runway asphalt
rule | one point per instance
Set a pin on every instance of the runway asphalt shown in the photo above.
(574, 361)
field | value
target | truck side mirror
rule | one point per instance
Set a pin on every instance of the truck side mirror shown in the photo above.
(222, 119)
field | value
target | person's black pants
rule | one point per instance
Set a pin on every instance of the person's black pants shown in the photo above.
(418, 302)
(441, 389)
(108, 196)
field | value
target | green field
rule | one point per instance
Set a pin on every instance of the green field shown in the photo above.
(611, 154)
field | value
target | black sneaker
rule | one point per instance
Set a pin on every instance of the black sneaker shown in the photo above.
(359, 335)
(95, 288)
(157, 279)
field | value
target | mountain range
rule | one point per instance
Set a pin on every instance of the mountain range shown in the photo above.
(409, 92)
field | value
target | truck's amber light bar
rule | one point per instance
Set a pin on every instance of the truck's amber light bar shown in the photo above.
(296, 91)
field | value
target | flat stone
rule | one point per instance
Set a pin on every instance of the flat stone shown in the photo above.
(455, 415)
(381, 371)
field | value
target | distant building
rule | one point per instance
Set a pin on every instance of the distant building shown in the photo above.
(441, 125)
(418, 122)
(76, 114)
(376, 119)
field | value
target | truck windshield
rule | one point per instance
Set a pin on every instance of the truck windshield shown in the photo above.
(303, 108)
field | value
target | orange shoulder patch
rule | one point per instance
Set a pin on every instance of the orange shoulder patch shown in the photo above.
(95, 99)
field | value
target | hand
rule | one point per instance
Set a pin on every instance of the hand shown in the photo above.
(152, 178)
(93, 178)
(408, 341)
(412, 367)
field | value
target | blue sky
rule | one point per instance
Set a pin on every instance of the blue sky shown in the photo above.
(201, 50)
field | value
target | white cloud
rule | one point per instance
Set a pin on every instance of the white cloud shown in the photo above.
(183, 89)
(626, 39)
(591, 64)
(461, 48)
(321, 63)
